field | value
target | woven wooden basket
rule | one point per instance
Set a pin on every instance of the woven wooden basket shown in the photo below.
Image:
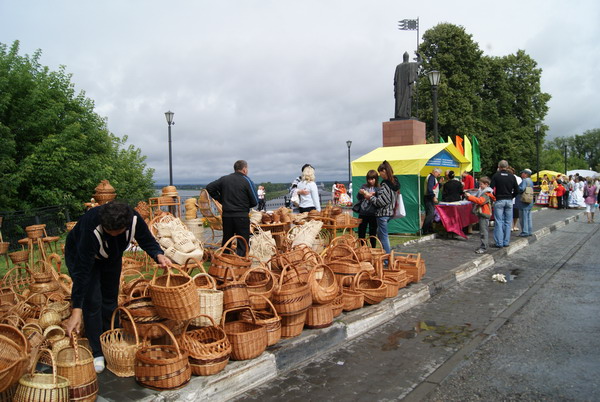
(162, 367)
(291, 298)
(13, 356)
(352, 299)
(141, 308)
(35, 231)
(324, 287)
(292, 325)
(4, 247)
(259, 281)
(42, 387)
(235, 291)
(119, 347)
(19, 256)
(267, 317)
(319, 316)
(248, 339)
(225, 257)
(76, 363)
(337, 305)
(174, 296)
(211, 301)
(374, 289)
(412, 263)
(209, 347)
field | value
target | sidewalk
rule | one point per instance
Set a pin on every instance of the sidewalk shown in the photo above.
(448, 261)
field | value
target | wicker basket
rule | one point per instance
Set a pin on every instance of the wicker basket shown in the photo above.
(352, 299)
(373, 289)
(248, 339)
(41, 387)
(209, 348)
(364, 251)
(269, 318)
(225, 257)
(211, 301)
(63, 308)
(18, 257)
(324, 287)
(259, 281)
(235, 292)
(174, 296)
(292, 325)
(4, 247)
(70, 225)
(291, 298)
(162, 367)
(35, 231)
(13, 356)
(119, 347)
(41, 271)
(337, 305)
(76, 363)
(49, 317)
(319, 316)
(144, 313)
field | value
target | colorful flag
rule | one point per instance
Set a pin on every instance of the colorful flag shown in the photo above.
(476, 156)
(450, 140)
(459, 144)
(442, 140)
(468, 153)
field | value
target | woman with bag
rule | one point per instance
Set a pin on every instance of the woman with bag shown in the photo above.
(308, 191)
(524, 202)
(385, 202)
(367, 211)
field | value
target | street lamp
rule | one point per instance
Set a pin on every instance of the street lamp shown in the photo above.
(537, 146)
(565, 158)
(434, 80)
(349, 143)
(169, 116)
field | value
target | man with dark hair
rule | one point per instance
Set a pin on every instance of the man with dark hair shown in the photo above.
(93, 253)
(237, 194)
(505, 188)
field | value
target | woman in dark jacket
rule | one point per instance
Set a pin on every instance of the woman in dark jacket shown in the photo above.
(452, 190)
(367, 212)
(385, 201)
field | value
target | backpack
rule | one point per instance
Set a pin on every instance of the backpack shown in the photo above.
(527, 195)
(585, 192)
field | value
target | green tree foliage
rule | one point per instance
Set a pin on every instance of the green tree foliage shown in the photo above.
(55, 148)
(497, 99)
(583, 152)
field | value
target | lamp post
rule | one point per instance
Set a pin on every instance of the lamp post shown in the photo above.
(537, 147)
(349, 143)
(169, 116)
(565, 158)
(434, 80)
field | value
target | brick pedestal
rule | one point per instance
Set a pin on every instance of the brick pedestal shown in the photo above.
(403, 132)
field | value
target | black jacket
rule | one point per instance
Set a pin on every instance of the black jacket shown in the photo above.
(235, 192)
(452, 191)
(505, 185)
(87, 244)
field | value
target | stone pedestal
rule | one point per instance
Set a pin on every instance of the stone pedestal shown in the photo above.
(403, 132)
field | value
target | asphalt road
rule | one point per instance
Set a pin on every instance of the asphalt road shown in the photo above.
(532, 338)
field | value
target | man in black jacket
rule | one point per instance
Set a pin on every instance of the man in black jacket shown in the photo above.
(237, 194)
(93, 253)
(505, 188)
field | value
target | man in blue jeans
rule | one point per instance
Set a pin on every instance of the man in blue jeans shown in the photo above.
(505, 188)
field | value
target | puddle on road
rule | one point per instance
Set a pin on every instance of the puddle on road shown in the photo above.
(435, 335)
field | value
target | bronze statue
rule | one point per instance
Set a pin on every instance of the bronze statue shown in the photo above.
(405, 77)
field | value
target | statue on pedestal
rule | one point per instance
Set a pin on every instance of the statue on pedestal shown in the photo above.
(404, 79)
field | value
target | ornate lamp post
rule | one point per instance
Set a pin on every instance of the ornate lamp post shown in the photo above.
(349, 143)
(537, 146)
(169, 116)
(565, 158)
(434, 80)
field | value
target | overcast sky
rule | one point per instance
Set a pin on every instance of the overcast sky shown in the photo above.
(281, 83)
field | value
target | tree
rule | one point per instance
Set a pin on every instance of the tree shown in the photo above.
(582, 152)
(56, 149)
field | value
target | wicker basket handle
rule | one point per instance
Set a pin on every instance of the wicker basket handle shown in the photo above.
(286, 266)
(52, 359)
(135, 289)
(187, 323)
(194, 261)
(233, 277)
(135, 331)
(75, 344)
(236, 309)
(262, 267)
(167, 331)
(377, 240)
(358, 276)
(230, 241)
(211, 280)
(268, 302)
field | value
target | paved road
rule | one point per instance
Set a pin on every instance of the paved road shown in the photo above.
(533, 338)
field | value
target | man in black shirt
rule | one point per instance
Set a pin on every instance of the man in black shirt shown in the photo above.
(237, 194)
(505, 188)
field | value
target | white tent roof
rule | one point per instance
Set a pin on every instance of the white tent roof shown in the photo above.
(583, 172)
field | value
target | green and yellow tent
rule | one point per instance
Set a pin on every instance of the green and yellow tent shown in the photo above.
(411, 164)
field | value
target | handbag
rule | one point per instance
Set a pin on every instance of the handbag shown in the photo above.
(399, 210)
(356, 207)
(295, 198)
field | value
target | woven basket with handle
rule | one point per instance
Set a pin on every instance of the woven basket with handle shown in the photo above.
(209, 347)
(119, 347)
(41, 387)
(76, 363)
(174, 296)
(248, 339)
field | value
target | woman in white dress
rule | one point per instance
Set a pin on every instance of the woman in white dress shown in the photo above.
(577, 194)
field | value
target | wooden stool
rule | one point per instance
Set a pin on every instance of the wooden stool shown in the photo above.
(50, 240)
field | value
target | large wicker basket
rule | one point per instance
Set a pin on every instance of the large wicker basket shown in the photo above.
(267, 317)
(209, 348)
(235, 291)
(248, 339)
(119, 347)
(291, 298)
(319, 316)
(42, 387)
(225, 257)
(175, 296)
(324, 287)
(162, 367)
(374, 289)
(76, 363)
(13, 356)
(211, 301)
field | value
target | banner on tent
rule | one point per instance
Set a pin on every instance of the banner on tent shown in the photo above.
(443, 158)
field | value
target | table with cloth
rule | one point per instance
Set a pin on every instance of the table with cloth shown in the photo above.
(456, 215)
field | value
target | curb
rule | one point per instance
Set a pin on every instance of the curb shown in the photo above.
(241, 376)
